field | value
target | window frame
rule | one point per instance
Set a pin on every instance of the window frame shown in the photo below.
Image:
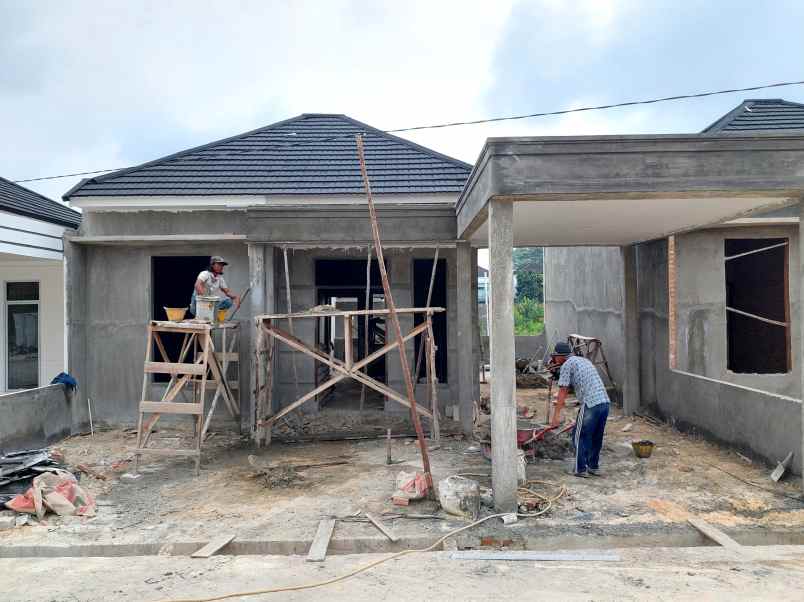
(4, 325)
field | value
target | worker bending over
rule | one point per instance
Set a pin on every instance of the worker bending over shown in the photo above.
(581, 374)
(210, 283)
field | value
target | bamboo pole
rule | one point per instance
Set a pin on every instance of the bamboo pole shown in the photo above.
(394, 318)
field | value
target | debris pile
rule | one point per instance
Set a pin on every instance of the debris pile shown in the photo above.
(284, 475)
(19, 468)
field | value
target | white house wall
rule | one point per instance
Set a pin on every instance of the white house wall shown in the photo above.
(50, 275)
(27, 237)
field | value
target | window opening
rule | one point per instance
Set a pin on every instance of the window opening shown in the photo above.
(22, 335)
(757, 305)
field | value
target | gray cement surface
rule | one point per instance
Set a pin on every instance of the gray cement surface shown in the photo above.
(36, 417)
(771, 573)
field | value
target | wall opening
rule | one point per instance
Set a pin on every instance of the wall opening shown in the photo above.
(22, 335)
(342, 283)
(422, 271)
(757, 305)
(173, 278)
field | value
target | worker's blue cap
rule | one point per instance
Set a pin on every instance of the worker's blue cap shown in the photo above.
(562, 348)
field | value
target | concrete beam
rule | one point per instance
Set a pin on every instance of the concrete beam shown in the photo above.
(503, 383)
(466, 298)
(631, 391)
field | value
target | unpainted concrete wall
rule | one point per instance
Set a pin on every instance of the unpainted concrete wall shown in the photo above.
(701, 307)
(525, 346)
(741, 412)
(34, 418)
(583, 294)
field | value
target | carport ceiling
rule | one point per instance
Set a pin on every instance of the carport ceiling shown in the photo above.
(610, 190)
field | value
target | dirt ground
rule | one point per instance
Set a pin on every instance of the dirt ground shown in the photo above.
(637, 502)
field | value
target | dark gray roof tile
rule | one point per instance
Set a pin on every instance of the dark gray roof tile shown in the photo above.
(21, 201)
(755, 115)
(308, 154)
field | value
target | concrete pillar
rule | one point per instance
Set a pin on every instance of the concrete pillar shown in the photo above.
(631, 392)
(467, 368)
(801, 321)
(503, 383)
(75, 316)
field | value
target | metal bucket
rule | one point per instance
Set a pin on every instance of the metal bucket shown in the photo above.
(205, 307)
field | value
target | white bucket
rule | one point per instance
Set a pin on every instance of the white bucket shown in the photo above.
(205, 307)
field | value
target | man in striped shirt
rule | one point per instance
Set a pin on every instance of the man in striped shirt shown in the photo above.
(581, 374)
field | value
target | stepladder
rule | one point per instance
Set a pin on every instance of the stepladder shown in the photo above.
(196, 368)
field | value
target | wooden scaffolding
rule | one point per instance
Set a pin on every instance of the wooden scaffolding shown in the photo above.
(268, 333)
(207, 367)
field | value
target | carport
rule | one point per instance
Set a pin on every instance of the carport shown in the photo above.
(607, 191)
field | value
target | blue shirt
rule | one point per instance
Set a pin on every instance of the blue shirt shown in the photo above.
(581, 374)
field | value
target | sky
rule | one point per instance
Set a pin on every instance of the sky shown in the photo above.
(95, 85)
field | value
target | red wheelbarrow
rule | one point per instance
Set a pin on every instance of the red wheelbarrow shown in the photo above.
(528, 436)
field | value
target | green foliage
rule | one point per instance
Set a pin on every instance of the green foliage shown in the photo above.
(529, 285)
(528, 317)
(529, 259)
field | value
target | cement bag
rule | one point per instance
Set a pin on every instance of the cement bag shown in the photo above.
(56, 491)
(460, 496)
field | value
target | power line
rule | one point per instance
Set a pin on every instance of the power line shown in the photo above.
(629, 103)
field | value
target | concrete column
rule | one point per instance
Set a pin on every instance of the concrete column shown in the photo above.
(260, 270)
(467, 368)
(631, 392)
(75, 314)
(801, 321)
(503, 383)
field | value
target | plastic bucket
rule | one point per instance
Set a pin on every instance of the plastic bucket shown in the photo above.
(222, 315)
(205, 307)
(175, 314)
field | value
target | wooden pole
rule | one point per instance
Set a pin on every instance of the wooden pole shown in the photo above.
(394, 318)
(366, 324)
(290, 320)
(429, 299)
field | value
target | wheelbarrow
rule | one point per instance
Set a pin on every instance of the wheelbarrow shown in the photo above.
(528, 436)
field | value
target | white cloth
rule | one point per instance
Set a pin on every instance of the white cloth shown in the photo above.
(212, 283)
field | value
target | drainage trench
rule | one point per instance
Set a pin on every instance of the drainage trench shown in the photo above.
(378, 546)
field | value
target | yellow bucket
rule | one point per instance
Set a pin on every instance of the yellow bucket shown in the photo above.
(175, 314)
(222, 315)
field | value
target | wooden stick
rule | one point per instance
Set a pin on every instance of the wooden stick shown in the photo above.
(429, 298)
(366, 321)
(433, 380)
(383, 529)
(388, 447)
(394, 318)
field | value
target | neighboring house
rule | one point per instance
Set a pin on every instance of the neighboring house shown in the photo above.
(733, 308)
(289, 189)
(32, 322)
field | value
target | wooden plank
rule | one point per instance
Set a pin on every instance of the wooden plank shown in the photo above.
(171, 368)
(156, 451)
(213, 546)
(356, 312)
(318, 549)
(229, 356)
(171, 407)
(715, 534)
(348, 348)
(383, 529)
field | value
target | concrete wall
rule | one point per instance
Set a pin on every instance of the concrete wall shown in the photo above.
(34, 418)
(113, 314)
(742, 411)
(525, 346)
(49, 273)
(583, 294)
(701, 307)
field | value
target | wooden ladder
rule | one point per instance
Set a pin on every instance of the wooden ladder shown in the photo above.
(183, 375)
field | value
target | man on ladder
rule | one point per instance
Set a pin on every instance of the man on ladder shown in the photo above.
(210, 283)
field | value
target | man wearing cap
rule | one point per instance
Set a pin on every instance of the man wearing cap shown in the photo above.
(210, 283)
(581, 374)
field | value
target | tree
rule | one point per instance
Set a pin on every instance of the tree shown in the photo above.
(530, 259)
(529, 285)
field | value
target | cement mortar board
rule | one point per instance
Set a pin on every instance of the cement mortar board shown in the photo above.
(736, 386)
